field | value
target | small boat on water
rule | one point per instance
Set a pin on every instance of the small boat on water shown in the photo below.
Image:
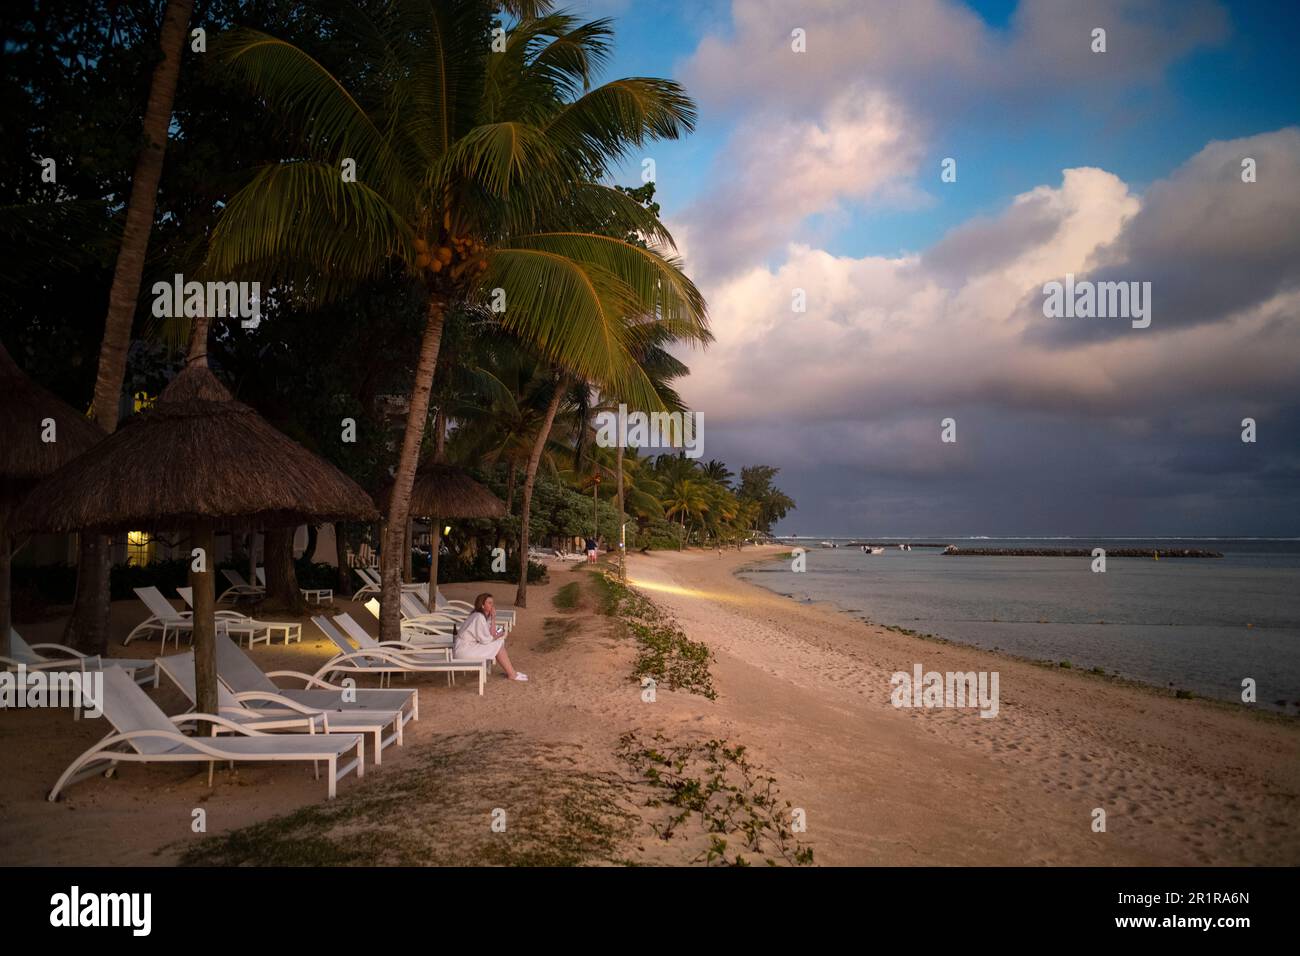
(867, 550)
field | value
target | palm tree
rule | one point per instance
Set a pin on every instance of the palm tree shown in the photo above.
(88, 624)
(661, 368)
(717, 471)
(463, 157)
(685, 498)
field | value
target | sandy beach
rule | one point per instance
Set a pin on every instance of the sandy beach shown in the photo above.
(805, 689)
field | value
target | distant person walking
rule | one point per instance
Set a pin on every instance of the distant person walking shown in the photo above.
(591, 550)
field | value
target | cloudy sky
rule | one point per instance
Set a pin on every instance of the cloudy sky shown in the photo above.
(821, 171)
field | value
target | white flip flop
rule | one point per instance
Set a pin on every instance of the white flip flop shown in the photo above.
(519, 675)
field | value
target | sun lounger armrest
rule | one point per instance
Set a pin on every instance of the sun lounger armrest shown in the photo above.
(284, 702)
(310, 722)
(43, 665)
(309, 679)
(218, 721)
(433, 617)
(376, 654)
(69, 652)
(429, 627)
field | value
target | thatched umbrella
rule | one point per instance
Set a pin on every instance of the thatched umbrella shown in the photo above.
(197, 460)
(445, 491)
(38, 434)
(448, 492)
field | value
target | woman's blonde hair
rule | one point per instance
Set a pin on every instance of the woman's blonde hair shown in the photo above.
(480, 601)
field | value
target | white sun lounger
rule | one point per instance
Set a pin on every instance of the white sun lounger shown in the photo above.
(432, 631)
(373, 584)
(165, 618)
(241, 674)
(239, 588)
(426, 634)
(415, 613)
(150, 736)
(179, 669)
(172, 621)
(35, 657)
(386, 660)
(369, 585)
(459, 610)
(287, 714)
(416, 639)
(310, 595)
(237, 623)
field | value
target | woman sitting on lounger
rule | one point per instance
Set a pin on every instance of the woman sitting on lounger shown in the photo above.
(481, 638)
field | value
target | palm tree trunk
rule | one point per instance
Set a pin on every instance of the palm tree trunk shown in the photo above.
(399, 502)
(6, 595)
(530, 476)
(342, 583)
(205, 624)
(281, 579)
(202, 582)
(435, 522)
(435, 542)
(408, 571)
(88, 625)
(622, 518)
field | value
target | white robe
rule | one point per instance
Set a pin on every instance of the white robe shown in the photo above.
(475, 640)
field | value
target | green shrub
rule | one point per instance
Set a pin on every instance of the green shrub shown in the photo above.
(665, 654)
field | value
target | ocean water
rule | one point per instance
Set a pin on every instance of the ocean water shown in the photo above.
(1176, 622)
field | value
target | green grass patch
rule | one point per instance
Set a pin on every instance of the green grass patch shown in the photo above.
(568, 597)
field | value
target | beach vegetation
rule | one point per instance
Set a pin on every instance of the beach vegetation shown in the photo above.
(567, 597)
(664, 653)
(712, 786)
(556, 815)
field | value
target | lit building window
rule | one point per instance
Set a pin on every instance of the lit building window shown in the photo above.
(139, 402)
(139, 548)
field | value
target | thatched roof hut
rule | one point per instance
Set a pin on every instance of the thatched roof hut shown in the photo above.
(196, 456)
(29, 415)
(25, 457)
(446, 491)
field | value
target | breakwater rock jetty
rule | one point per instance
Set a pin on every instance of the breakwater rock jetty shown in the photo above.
(893, 544)
(1156, 553)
